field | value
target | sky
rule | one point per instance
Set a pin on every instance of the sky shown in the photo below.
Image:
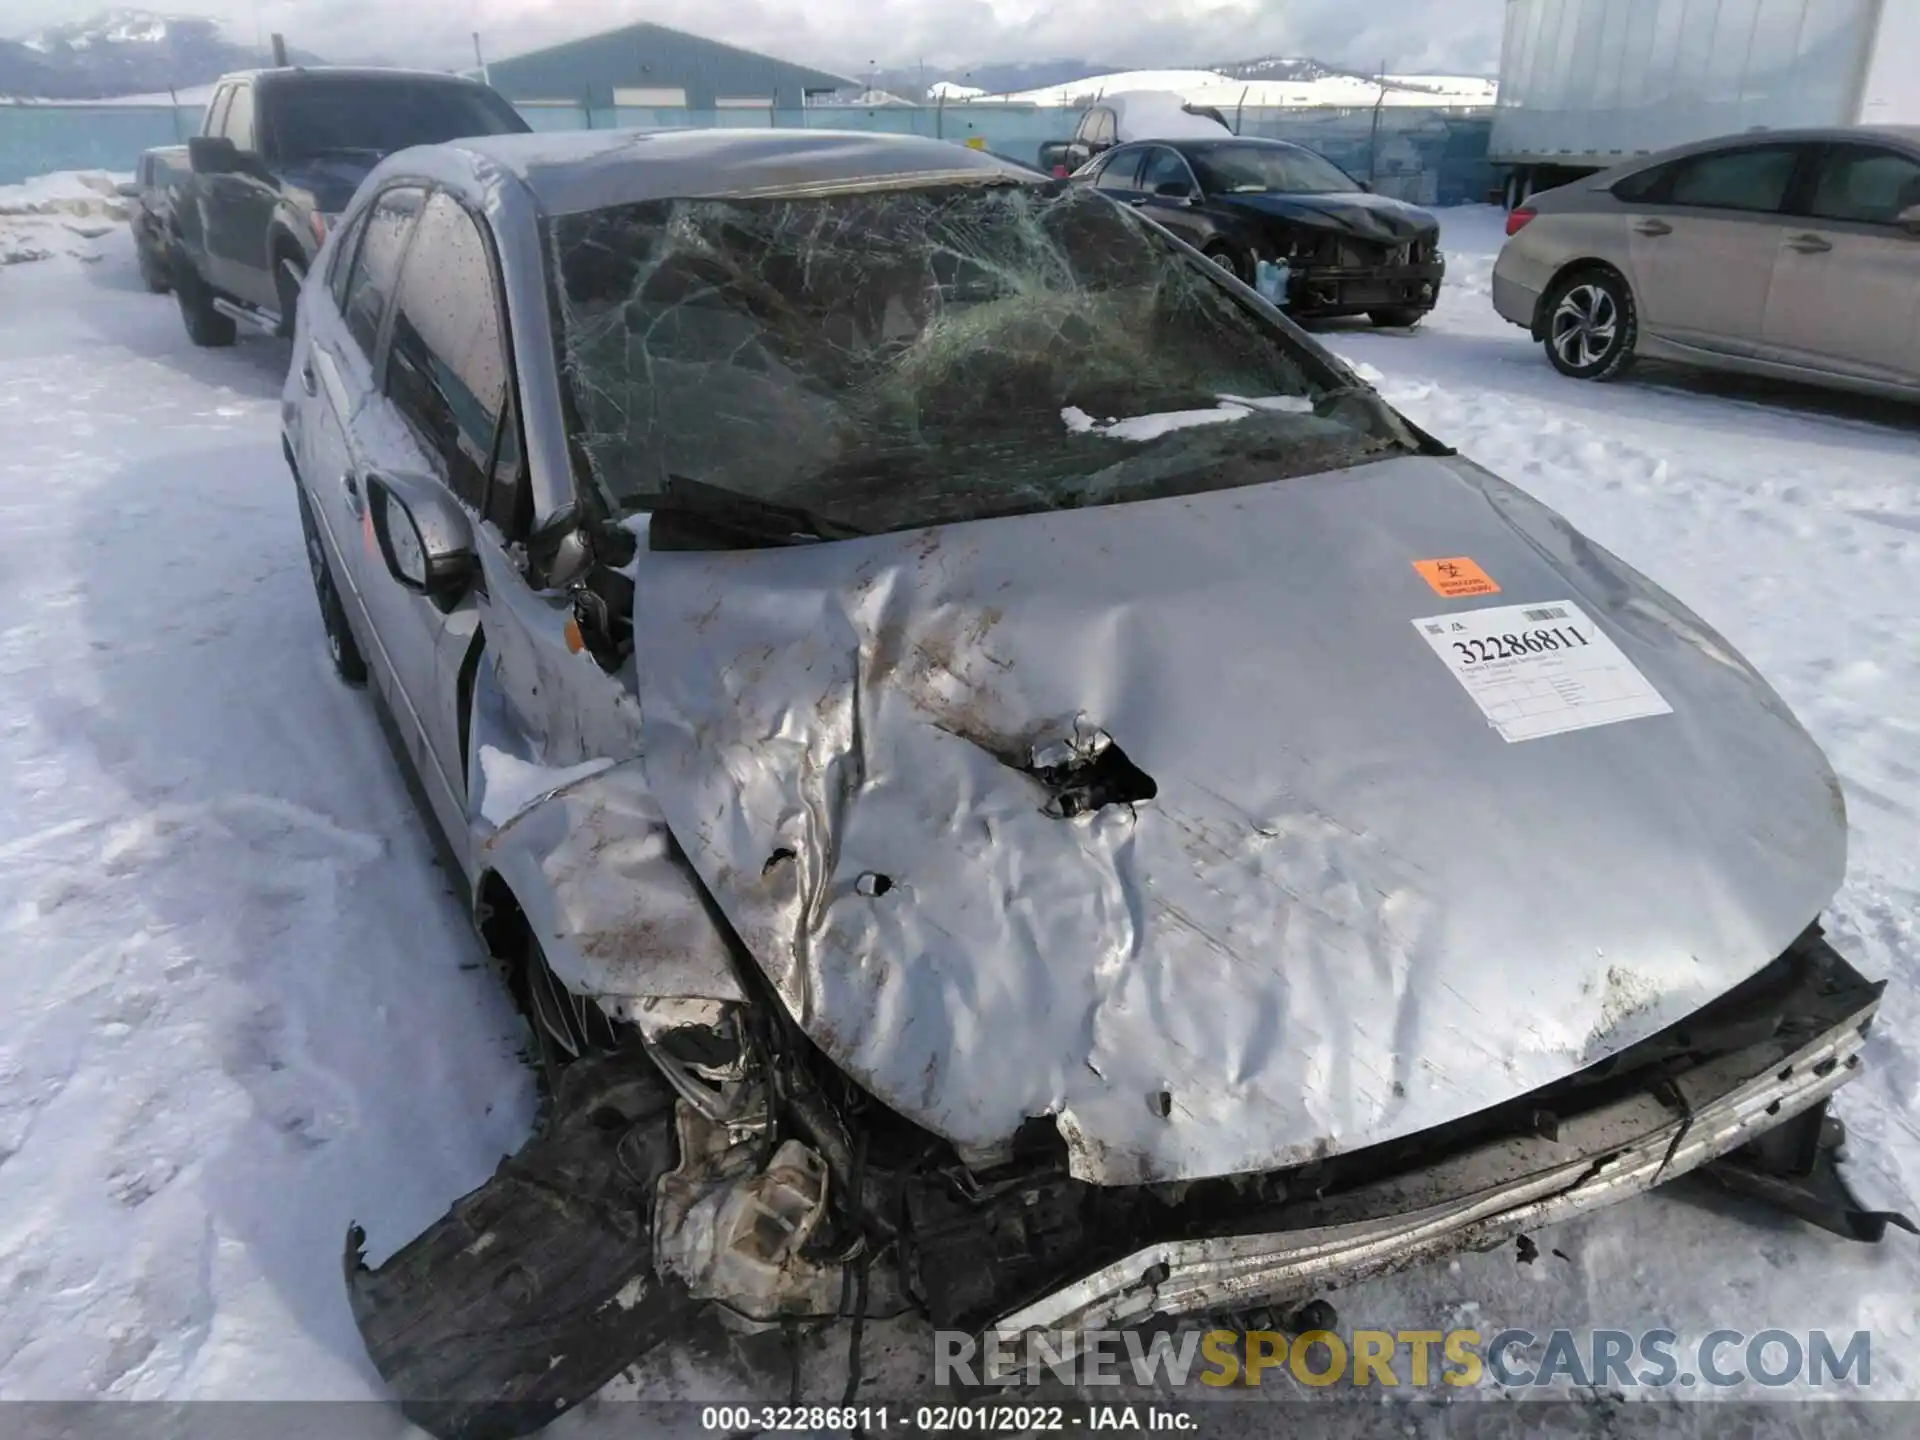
(847, 36)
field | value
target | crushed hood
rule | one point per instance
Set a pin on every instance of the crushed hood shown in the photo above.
(1359, 215)
(1351, 910)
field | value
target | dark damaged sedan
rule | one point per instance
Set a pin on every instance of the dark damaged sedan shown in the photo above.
(1286, 220)
(1010, 785)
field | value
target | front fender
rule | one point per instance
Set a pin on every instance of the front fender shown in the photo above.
(609, 894)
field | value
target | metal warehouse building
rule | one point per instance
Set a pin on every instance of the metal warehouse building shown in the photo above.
(652, 66)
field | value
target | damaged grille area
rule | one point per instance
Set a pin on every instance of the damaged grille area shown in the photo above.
(904, 357)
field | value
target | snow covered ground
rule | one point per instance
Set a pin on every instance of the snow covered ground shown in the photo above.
(243, 1008)
(59, 215)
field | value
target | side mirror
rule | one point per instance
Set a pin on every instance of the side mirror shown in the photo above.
(1173, 190)
(127, 190)
(1909, 219)
(425, 537)
(212, 155)
(1366, 185)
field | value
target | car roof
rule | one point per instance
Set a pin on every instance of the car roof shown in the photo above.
(341, 72)
(570, 171)
(1908, 135)
(1197, 142)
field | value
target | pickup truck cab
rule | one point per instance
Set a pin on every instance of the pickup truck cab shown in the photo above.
(279, 155)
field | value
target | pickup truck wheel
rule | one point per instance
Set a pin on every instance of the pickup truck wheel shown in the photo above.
(206, 326)
(153, 270)
(1404, 318)
(288, 276)
(348, 662)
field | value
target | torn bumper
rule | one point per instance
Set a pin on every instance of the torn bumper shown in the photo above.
(1323, 289)
(1597, 1158)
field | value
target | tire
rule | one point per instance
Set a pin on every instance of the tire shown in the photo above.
(289, 274)
(1591, 325)
(1231, 261)
(348, 663)
(153, 270)
(206, 326)
(1404, 318)
(566, 1027)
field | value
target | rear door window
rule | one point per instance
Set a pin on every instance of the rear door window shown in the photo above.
(1864, 184)
(217, 112)
(447, 360)
(1165, 167)
(1753, 180)
(376, 268)
(239, 121)
(1120, 174)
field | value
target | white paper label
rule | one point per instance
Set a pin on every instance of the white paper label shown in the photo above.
(1540, 669)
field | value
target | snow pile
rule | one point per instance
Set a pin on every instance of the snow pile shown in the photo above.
(63, 214)
(1210, 87)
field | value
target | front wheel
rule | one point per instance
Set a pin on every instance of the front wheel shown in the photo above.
(1591, 325)
(206, 326)
(288, 276)
(1231, 261)
(153, 269)
(1401, 319)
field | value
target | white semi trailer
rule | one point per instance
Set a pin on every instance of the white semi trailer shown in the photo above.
(1586, 84)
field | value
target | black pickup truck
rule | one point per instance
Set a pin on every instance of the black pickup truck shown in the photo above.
(280, 154)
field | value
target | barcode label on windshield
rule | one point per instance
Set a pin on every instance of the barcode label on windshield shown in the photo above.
(1551, 612)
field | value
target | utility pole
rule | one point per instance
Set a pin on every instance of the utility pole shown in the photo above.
(480, 60)
(279, 50)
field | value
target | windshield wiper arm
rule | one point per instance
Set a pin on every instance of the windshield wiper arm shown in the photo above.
(703, 516)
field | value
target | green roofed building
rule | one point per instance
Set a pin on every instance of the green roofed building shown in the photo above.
(655, 67)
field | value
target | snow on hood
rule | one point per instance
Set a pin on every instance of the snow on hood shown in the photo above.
(1359, 214)
(1349, 910)
(1159, 115)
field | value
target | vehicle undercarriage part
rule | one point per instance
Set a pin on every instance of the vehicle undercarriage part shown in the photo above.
(538, 1287)
(1791, 1167)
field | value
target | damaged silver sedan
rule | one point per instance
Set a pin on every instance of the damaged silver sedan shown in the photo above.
(1007, 781)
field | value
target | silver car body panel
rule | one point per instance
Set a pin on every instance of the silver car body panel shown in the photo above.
(1352, 912)
(1489, 1195)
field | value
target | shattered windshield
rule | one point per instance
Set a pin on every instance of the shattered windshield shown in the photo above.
(905, 357)
(1268, 170)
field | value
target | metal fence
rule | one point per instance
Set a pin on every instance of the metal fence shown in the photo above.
(1428, 156)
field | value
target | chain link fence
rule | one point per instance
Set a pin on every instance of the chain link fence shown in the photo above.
(1427, 156)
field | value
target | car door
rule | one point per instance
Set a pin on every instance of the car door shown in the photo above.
(1846, 280)
(1703, 242)
(1168, 193)
(238, 205)
(336, 372)
(439, 415)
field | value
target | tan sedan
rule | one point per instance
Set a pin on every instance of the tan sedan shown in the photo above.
(1794, 254)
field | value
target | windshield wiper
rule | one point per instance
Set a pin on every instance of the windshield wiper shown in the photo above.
(699, 516)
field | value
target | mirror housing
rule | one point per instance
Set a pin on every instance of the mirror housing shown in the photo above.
(127, 190)
(1909, 219)
(213, 155)
(424, 536)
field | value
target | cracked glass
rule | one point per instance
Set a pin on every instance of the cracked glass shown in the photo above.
(912, 356)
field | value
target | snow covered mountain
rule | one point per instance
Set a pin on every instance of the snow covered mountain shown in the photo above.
(1264, 80)
(122, 52)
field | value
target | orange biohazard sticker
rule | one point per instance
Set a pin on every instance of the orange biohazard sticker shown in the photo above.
(1456, 578)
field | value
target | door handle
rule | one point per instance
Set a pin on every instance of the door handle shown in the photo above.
(1809, 244)
(309, 382)
(1653, 227)
(351, 484)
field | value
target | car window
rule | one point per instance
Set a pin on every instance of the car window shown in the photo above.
(446, 363)
(1643, 185)
(1120, 173)
(239, 124)
(1165, 167)
(319, 114)
(1109, 128)
(1752, 180)
(217, 112)
(341, 266)
(1856, 182)
(376, 268)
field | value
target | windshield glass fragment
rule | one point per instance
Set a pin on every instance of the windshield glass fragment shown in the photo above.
(907, 357)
